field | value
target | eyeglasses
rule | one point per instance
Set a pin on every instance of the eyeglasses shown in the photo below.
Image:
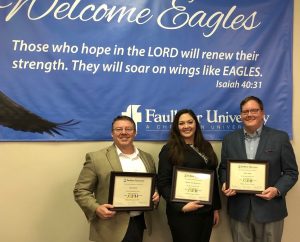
(251, 111)
(126, 130)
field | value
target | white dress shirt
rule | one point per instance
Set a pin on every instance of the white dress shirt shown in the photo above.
(131, 163)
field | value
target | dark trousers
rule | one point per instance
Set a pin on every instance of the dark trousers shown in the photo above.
(135, 229)
(191, 227)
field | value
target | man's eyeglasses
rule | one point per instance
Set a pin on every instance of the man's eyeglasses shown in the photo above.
(126, 130)
(251, 111)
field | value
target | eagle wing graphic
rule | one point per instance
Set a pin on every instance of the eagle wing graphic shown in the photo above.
(15, 116)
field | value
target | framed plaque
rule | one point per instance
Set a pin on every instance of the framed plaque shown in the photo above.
(131, 191)
(247, 176)
(192, 185)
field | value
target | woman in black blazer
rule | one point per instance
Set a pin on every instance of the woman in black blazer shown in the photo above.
(186, 147)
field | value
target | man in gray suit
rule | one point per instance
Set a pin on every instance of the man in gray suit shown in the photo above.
(258, 217)
(92, 188)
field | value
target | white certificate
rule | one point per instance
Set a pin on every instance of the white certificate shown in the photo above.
(192, 185)
(248, 176)
(131, 191)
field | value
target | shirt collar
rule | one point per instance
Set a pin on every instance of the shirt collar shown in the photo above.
(254, 135)
(133, 155)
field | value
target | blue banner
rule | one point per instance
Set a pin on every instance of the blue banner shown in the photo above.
(68, 67)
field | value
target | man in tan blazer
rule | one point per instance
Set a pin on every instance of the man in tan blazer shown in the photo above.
(92, 188)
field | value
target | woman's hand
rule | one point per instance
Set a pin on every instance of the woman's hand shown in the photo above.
(216, 217)
(192, 206)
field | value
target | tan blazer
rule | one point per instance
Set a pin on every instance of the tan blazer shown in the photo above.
(92, 189)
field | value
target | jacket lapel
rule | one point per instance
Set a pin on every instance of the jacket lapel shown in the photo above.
(115, 163)
(145, 160)
(241, 145)
(113, 158)
(262, 143)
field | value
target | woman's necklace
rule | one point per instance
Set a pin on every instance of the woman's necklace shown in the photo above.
(204, 157)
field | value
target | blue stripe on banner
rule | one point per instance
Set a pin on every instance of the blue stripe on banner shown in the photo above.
(69, 67)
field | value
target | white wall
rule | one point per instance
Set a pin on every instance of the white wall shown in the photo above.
(37, 179)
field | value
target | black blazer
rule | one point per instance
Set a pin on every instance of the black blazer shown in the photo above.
(165, 172)
(274, 146)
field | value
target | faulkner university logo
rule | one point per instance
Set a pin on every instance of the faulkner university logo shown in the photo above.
(132, 111)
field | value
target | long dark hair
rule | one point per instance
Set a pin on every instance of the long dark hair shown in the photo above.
(177, 144)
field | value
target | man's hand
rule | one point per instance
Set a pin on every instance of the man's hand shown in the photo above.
(228, 192)
(269, 193)
(103, 211)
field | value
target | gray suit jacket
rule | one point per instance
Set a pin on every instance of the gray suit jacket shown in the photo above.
(92, 189)
(275, 147)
